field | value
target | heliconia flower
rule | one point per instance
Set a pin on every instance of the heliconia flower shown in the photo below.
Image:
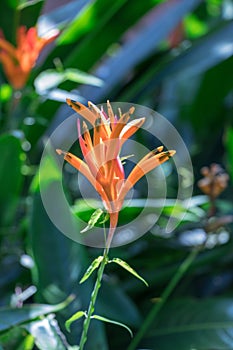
(102, 165)
(19, 60)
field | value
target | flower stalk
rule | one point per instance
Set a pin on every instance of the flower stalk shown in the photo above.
(103, 167)
(94, 295)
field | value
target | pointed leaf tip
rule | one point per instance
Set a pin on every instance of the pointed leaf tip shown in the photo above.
(127, 267)
(107, 320)
(73, 318)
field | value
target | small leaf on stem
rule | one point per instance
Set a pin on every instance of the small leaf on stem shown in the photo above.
(95, 217)
(94, 265)
(107, 320)
(73, 318)
(126, 266)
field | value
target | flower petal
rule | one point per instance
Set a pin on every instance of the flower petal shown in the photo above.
(6, 46)
(82, 110)
(146, 164)
(101, 117)
(130, 128)
(81, 166)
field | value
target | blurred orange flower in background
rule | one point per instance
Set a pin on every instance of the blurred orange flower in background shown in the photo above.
(18, 61)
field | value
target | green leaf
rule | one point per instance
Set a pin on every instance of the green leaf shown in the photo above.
(48, 79)
(48, 173)
(107, 320)
(10, 177)
(194, 26)
(10, 317)
(95, 217)
(5, 92)
(127, 58)
(46, 333)
(80, 77)
(73, 318)
(128, 268)
(123, 309)
(94, 265)
(8, 12)
(229, 146)
(25, 3)
(190, 323)
(29, 12)
(16, 339)
(51, 78)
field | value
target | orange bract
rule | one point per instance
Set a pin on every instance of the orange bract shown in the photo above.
(18, 61)
(102, 165)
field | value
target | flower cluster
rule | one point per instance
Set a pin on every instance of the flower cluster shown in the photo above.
(18, 61)
(102, 165)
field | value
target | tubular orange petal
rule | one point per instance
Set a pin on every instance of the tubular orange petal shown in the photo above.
(100, 132)
(21, 36)
(113, 224)
(130, 128)
(81, 166)
(87, 151)
(145, 165)
(87, 137)
(82, 110)
(111, 114)
(101, 117)
(114, 144)
(121, 123)
(10, 49)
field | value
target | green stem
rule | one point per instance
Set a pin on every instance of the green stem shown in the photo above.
(165, 295)
(94, 295)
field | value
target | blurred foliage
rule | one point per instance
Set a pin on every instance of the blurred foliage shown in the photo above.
(174, 57)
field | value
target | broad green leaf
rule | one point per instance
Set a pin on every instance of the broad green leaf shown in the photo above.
(25, 3)
(123, 309)
(61, 16)
(94, 265)
(80, 77)
(190, 323)
(128, 57)
(229, 146)
(51, 78)
(29, 12)
(107, 320)
(8, 11)
(16, 339)
(46, 333)
(97, 21)
(10, 317)
(128, 268)
(73, 318)
(194, 57)
(47, 174)
(10, 177)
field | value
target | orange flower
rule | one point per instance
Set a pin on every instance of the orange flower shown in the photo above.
(102, 165)
(18, 61)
